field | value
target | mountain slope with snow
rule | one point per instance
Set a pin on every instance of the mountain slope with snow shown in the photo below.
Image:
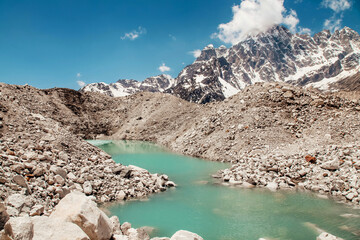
(125, 87)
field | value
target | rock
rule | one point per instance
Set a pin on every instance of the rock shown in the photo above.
(310, 159)
(59, 179)
(185, 235)
(19, 228)
(56, 229)
(16, 200)
(37, 210)
(331, 165)
(116, 225)
(120, 195)
(79, 209)
(272, 186)
(125, 228)
(39, 171)
(170, 184)
(21, 182)
(327, 236)
(138, 234)
(288, 94)
(58, 171)
(4, 216)
(120, 237)
(87, 188)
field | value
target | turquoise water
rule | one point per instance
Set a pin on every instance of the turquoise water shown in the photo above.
(201, 205)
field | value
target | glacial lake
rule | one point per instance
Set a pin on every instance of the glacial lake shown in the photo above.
(200, 204)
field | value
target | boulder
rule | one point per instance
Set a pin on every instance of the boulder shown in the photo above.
(79, 209)
(327, 236)
(19, 228)
(87, 188)
(125, 228)
(17, 201)
(330, 165)
(272, 186)
(4, 217)
(185, 235)
(56, 229)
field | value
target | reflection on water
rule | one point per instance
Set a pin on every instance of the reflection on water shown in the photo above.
(213, 211)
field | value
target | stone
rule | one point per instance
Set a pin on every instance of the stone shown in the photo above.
(330, 165)
(58, 171)
(125, 227)
(185, 235)
(272, 186)
(87, 188)
(79, 209)
(327, 236)
(120, 237)
(120, 195)
(59, 180)
(116, 225)
(310, 159)
(288, 94)
(19, 180)
(16, 200)
(170, 184)
(19, 228)
(56, 229)
(4, 216)
(37, 210)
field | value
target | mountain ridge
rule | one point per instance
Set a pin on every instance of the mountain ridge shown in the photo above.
(276, 55)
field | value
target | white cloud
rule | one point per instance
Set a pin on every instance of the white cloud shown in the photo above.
(254, 16)
(134, 34)
(78, 75)
(81, 83)
(336, 5)
(164, 68)
(304, 31)
(172, 37)
(196, 53)
(333, 23)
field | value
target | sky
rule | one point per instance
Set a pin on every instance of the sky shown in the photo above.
(69, 43)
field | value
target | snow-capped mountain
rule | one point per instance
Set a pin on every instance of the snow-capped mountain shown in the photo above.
(275, 55)
(125, 87)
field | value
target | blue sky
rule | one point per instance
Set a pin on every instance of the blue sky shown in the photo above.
(59, 43)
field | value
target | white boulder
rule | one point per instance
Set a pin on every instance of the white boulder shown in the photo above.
(46, 228)
(19, 228)
(79, 209)
(185, 235)
(327, 236)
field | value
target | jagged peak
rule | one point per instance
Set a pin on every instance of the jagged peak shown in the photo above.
(210, 46)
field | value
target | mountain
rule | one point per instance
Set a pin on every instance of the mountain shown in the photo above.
(125, 87)
(273, 56)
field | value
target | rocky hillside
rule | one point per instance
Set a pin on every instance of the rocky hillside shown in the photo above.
(274, 56)
(44, 157)
(276, 135)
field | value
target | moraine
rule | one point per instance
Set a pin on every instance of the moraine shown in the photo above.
(200, 204)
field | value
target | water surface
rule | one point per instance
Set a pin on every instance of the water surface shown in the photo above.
(201, 205)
